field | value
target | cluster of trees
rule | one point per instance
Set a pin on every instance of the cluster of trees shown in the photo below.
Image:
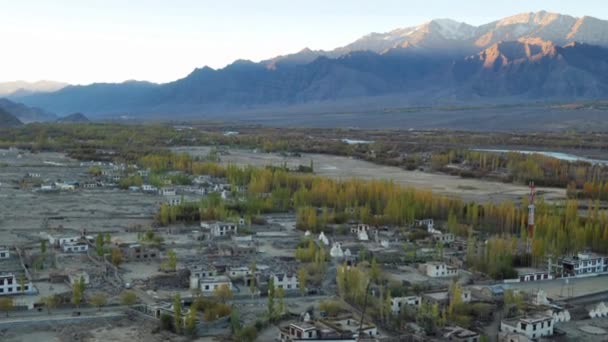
(525, 167)
(319, 201)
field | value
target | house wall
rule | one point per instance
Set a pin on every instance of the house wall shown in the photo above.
(531, 330)
(9, 285)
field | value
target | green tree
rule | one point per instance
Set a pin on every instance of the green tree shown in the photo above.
(116, 257)
(248, 334)
(170, 264)
(99, 244)
(302, 278)
(78, 292)
(98, 300)
(128, 298)
(270, 304)
(280, 296)
(6, 304)
(235, 322)
(191, 319)
(222, 293)
(50, 302)
(22, 283)
(43, 247)
(177, 313)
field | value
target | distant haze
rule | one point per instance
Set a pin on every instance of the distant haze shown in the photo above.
(82, 42)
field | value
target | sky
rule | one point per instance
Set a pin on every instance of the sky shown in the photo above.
(86, 41)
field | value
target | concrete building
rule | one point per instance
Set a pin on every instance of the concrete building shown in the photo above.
(238, 272)
(585, 263)
(444, 238)
(138, 252)
(397, 303)
(10, 284)
(221, 229)
(460, 334)
(174, 200)
(527, 274)
(75, 247)
(298, 331)
(149, 188)
(532, 327)
(285, 281)
(167, 192)
(439, 269)
(209, 284)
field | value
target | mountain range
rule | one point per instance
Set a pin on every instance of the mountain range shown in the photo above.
(8, 120)
(22, 88)
(523, 58)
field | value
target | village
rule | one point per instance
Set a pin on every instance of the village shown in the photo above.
(83, 241)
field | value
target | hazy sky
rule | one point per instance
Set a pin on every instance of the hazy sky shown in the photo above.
(85, 41)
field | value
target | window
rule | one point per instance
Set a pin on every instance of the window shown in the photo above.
(533, 327)
(206, 287)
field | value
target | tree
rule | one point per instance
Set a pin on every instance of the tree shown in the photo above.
(128, 298)
(99, 244)
(270, 305)
(43, 247)
(248, 334)
(331, 307)
(375, 272)
(235, 322)
(281, 295)
(6, 304)
(222, 293)
(177, 313)
(170, 264)
(50, 302)
(99, 299)
(22, 283)
(302, 278)
(78, 292)
(116, 257)
(165, 321)
(191, 319)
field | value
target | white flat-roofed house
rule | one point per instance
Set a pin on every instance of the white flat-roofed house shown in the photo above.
(285, 281)
(149, 188)
(167, 192)
(440, 269)
(444, 238)
(398, 303)
(198, 272)
(10, 285)
(209, 284)
(220, 229)
(532, 327)
(174, 200)
(585, 263)
(75, 247)
(60, 240)
(238, 272)
(298, 332)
